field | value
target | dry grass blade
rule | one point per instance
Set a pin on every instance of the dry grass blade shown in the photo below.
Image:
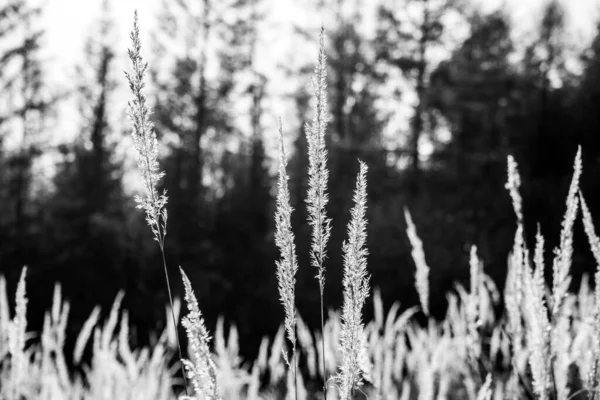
(287, 265)
(146, 146)
(145, 142)
(318, 176)
(418, 255)
(538, 325)
(16, 339)
(356, 290)
(513, 292)
(562, 260)
(593, 378)
(201, 368)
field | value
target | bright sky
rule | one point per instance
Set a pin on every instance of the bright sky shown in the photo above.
(68, 22)
(68, 19)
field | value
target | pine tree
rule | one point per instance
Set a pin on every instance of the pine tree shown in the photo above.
(86, 213)
(193, 108)
(24, 107)
(407, 36)
(476, 85)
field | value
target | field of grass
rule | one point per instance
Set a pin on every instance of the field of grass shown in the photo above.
(530, 342)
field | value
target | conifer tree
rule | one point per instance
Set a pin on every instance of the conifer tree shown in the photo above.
(24, 107)
(87, 208)
(407, 36)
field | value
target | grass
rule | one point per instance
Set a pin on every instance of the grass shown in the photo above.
(544, 344)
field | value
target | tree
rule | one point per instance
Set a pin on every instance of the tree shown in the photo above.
(545, 57)
(86, 214)
(589, 93)
(407, 36)
(476, 91)
(242, 230)
(549, 88)
(193, 107)
(24, 105)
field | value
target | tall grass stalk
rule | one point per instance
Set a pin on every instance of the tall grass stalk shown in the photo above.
(318, 176)
(418, 255)
(514, 279)
(474, 310)
(201, 368)
(562, 260)
(538, 325)
(593, 378)
(146, 146)
(356, 291)
(16, 342)
(288, 264)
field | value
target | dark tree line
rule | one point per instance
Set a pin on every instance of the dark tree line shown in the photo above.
(488, 95)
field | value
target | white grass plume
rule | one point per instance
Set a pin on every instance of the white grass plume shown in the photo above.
(514, 279)
(284, 239)
(474, 299)
(318, 175)
(85, 333)
(356, 290)
(538, 325)
(146, 146)
(16, 339)
(485, 392)
(422, 269)
(590, 231)
(593, 378)
(201, 368)
(145, 142)
(512, 185)
(562, 260)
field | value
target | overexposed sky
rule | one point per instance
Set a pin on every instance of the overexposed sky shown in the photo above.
(68, 21)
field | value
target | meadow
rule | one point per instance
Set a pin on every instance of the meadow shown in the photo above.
(533, 341)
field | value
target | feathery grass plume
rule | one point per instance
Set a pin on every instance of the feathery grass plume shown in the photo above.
(84, 334)
(16, 338)
(146, 147)
(513, 184)
(593, 378)
(561, 338)
(561, 361)
(201, 368)
(284, 239)
(4, 319)
(474, 301)
(485, 392)
(514, 279)
(145, 142)
(318, 176)
(418, 255)
(562, 260)
(287, 265)
(356, 290)
(590, 231)
(53, 338)
(538, 325)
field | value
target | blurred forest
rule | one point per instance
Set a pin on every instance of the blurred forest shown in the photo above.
(472, 101)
